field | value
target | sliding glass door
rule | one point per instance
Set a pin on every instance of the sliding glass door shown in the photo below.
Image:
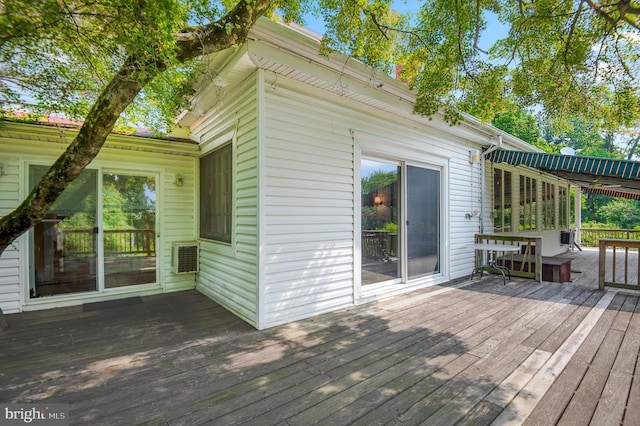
(129, 218)
(380, 215)
(423, 221)
(79, 247)
(64, 244)
(401, 221)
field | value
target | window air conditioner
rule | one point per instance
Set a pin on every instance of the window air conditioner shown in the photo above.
(185, 257)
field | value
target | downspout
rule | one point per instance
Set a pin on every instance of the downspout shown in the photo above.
(492, 148)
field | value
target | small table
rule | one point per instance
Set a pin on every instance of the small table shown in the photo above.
(491, 264)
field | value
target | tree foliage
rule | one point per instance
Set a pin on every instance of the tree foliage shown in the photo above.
(584, 137)
(133, 61)
(566, 58)
(378, 179)
(524, 126)
(93, 60)
(620, 212)
(60, 56)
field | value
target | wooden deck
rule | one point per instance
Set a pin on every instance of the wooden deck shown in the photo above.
(465, 353)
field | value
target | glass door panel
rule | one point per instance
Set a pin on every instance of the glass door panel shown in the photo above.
(63, 244)
(423, 221)
(380, 212)
(129, 218)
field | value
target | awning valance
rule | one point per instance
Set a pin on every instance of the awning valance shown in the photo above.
(617, 178)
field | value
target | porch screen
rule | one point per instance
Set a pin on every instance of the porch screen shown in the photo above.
(216, 194)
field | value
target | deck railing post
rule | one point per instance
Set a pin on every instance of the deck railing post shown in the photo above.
(624, 280)
(602, 255)
(538, 242)
(626, 265)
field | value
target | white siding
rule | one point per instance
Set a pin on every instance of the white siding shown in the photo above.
(228, 274)
(308, 219)
(22, 144)
(9, 260)
(310, 197)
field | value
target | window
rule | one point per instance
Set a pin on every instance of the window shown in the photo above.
(216, 194)
(501, 200)
(548, 205)
(528, 203)
(541, 202)
(563, 207)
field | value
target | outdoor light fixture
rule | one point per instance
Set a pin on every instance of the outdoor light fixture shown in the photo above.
(378, 201)
(474, 156)
(179, 180)
(472, 215)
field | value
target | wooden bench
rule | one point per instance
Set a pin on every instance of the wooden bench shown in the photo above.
(554, 269)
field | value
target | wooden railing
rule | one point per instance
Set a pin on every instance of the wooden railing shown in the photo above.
(127, 242)
(589, 236)
(130, 242)
(619, 267)
(379, 245)
(530, 264)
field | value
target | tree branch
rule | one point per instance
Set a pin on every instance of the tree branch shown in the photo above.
(98, 124)
(134, 74)
(572, 28)
(623, 7)
(229, 31)
(377, 24)
(477, 35)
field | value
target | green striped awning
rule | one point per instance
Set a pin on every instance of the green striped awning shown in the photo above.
(618, 178)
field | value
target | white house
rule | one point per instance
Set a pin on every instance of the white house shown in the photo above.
(310, 186)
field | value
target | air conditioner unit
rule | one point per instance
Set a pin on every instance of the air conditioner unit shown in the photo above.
(185, 257)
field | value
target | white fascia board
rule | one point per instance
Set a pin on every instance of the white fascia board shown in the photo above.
(298, 49)
(283, 43)
(356, 80)
(230, 67)
(299, 43)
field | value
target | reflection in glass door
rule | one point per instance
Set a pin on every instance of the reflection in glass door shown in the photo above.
(423, 221)
(129, 218)
(380, 245)
(401, 220)
(63, 244)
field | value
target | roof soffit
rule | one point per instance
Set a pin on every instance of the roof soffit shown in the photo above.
(223, 71)
(293, 52)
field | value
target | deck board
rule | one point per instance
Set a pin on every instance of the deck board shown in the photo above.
(586, 397)
(460, 353)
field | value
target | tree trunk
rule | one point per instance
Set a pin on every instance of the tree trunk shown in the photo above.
(632, 149)
(99, 123)
(136, 72)
(116, 96)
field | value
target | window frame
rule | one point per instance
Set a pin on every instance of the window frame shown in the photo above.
(549, 200)
(564, 217)
(548, 205)
(219, 149)
(501, 221)
(528, 190)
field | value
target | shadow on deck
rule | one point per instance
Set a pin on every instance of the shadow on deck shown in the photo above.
(467, 352)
